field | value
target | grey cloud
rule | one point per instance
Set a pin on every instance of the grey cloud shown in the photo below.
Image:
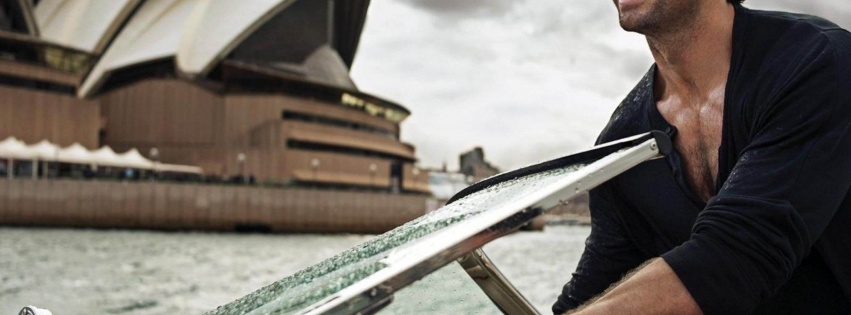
(526, 80)
(565, 19)
(534, 80)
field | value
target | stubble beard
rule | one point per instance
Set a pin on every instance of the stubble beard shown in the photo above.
(660, 17)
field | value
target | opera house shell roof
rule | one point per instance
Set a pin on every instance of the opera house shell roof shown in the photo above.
(256, 88)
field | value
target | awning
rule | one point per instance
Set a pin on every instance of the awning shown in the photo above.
(74, 154)
(134, 159)
(105, 156)
(12, 148)
(174, 168)
(44, 151)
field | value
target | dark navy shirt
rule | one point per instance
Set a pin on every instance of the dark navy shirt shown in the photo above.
(776, 235)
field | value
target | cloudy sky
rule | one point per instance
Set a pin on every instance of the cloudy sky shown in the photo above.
(527, 80)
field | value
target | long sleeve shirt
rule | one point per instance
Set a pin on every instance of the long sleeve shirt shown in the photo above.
(776, 235)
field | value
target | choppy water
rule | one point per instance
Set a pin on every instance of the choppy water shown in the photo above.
(137, 272)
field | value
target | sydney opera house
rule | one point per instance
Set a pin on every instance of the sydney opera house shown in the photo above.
(253, 89)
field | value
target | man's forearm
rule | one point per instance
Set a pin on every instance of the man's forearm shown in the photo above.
(654, 289)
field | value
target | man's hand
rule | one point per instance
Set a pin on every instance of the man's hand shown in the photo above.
(653, 289)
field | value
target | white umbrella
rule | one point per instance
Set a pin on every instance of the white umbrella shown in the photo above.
(74, 154)
(134, 159)
(12, 148)
(105, 157)
(44, 150)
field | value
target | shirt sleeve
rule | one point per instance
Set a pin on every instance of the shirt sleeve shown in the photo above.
(608, 255)
(782, 192)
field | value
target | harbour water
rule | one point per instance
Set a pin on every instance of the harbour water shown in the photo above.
(142, 272)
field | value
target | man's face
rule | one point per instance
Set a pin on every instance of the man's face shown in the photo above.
(655, 16)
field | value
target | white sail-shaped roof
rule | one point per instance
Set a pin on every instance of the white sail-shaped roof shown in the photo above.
(222, 27)
(198, 33)
(153, 32)
(44, 150)
(83, 24)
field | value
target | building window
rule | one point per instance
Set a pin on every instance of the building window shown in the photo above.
(320, 147)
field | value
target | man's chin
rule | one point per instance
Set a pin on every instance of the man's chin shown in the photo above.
(630, 25)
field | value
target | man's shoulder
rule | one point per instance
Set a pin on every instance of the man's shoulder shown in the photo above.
(787, 34)
(629, 118)
(813, 23)
(782, 48)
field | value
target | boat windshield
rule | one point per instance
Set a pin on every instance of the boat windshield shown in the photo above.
(365, 277)
(304, 288)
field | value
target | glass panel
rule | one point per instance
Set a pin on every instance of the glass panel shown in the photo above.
(66, 60)
(322, 280)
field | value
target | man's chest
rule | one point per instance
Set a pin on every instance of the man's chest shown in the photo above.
(699, 127)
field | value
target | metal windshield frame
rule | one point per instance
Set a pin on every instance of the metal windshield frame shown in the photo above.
(495, 285)
(424, 256)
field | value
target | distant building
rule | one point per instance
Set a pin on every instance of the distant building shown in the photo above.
(473, 164)
(249, 88)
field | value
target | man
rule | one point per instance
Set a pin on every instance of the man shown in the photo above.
(752, 212)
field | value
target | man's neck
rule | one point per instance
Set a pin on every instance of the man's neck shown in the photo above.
(691, 61)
